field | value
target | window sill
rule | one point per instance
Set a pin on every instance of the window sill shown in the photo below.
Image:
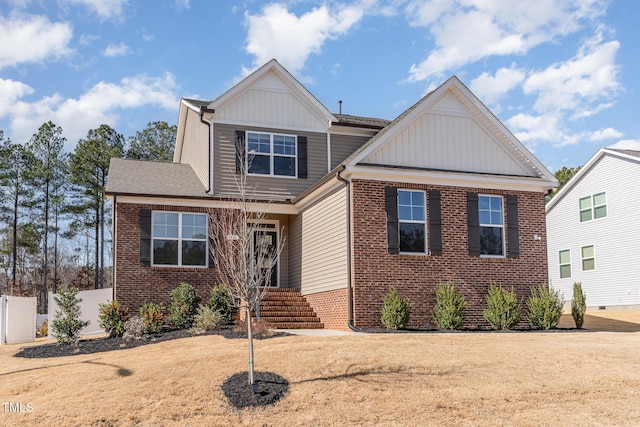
(266, 175)
(179, 267)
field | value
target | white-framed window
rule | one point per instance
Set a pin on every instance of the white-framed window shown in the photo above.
(565, 263)
(271, 154)
(179, 239)
(593, 207)
(588, 258)
(412, 221)
(491, 221)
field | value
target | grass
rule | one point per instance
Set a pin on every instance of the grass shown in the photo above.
(530, 378)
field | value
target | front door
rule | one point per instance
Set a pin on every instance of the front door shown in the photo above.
(265, 239)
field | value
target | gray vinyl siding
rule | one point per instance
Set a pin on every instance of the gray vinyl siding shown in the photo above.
(342, 146)
(279, 188)
(318, 251)
(614, 281)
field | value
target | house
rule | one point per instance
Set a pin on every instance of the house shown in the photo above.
(443, 192)
(592, 225)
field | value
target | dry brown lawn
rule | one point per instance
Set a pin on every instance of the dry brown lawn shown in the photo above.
(520, 379)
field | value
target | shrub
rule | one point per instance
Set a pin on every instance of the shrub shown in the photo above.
(260, 328)
(66, 325)
(43, 329)
(223, 302)
(395, 310)
(151, 314)
(545, 307)
(134, 328)
(503, 309)
(206, 319)
(449, 306)
(578, 305)
(112, 317)
(184, 303)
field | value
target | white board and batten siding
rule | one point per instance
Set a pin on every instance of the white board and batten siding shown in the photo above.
(447, 137)
(616, 237)
(319, 234)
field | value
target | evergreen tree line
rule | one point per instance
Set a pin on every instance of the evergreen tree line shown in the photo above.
(54, 217)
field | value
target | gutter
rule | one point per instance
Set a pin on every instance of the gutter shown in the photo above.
(210, 133)
(349, 269)
(114, 244)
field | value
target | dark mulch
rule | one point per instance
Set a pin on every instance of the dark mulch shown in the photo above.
(270, 388)
(99, 345)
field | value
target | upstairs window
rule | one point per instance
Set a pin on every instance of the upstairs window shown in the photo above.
(271, 154)
(593, 207)
(179, 239)
(588, 258)
(491, 222)
(412, 222)
(565, 263)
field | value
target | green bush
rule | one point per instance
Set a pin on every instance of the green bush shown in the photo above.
(503, 309)
(134, 328)
(112, 317)
(184, 303)
(449, 306)
(578, 305)
(151, 314)
(206, 319)
(66, 325)
(395, 310)
(223, 302)
(545, 307)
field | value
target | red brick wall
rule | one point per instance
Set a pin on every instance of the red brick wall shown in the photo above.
(416, 276)
(331, 308)
(136, 283)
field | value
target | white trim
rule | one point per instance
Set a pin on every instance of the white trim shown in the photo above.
(180, 239)
(328, 152)
(502, 226)
(582, 258)
(245, 124)
(560, 264)
(423, 222)
(278, 249)
(272, 154)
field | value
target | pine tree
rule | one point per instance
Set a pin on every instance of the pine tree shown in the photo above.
(155, 142)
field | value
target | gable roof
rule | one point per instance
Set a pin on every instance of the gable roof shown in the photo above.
(625, 155)
(454, 99)
(145, 178)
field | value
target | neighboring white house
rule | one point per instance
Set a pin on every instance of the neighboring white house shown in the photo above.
(593, 231)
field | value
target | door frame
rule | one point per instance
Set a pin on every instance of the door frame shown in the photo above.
(272, 225)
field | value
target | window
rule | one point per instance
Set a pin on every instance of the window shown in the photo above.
(271, 154)
(565, 263)
(179, 239)
(593, 207)
(490, 213)
(412, 221)
(588, 258)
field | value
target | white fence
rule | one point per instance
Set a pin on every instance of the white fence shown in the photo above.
(89, 307)
(17, 319)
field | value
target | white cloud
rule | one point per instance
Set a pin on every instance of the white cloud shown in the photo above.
(113, 50)
(10, 92)
(627, 144)
(105, 9)
(277, 33)
(101, 104)
(490, 88)
(182, 4)
(466, 31)
(32, 39)
(88, 39)
(605, 134)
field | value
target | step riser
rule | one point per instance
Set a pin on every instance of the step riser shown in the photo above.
(288, 309)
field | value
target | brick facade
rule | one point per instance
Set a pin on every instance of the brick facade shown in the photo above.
(331, 307)
(416, 276)
(136, 283)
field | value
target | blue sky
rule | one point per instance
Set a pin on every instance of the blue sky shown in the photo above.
(560, 74)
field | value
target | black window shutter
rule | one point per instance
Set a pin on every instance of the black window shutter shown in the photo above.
(473, 221)
(240, 148)
(513, 248)
(391, 205)
(145, 236)
(302, 157)
(435, 223)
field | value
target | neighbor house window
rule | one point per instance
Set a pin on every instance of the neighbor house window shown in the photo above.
(588, 258)
(593, 207)
(412, 221)
(179, 239)
(491, 221)
(565, 263)
(271, 154)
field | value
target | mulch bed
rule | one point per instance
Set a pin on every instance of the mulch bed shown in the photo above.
(99, 345)
(269, 388)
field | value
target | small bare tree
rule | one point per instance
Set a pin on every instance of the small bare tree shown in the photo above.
(245, 252)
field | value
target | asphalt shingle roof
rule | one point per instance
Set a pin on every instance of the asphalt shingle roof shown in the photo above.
(368, 122)
(629, 152)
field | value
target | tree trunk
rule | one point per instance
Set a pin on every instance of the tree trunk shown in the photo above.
(14, 260)
(102, 242)
(46, 247)
(250, 338)
(55, 253)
